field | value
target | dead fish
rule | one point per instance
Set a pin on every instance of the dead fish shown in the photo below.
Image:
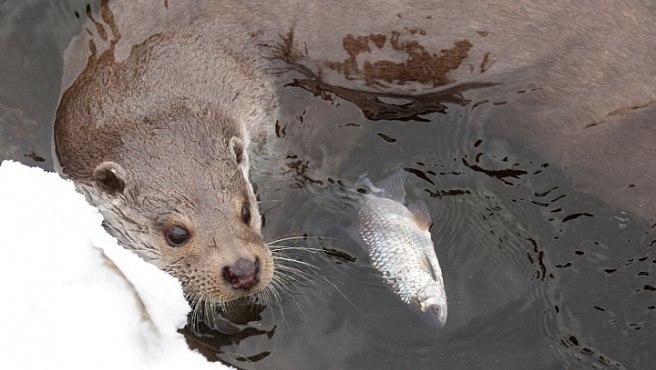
(400, 246)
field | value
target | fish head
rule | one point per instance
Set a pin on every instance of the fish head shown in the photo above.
(432, 303)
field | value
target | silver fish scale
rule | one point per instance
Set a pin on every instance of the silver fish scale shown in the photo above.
(393, 237)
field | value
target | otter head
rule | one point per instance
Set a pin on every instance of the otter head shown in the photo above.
(157, 139)
(177, 193)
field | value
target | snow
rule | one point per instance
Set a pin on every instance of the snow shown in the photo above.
(70, 296)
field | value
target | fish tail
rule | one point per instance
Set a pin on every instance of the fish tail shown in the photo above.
(365, 182)
(392, 186)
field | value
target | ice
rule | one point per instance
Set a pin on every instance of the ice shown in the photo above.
(70, 296)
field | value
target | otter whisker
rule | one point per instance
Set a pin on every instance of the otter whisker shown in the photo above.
(285, 269)
(306, 264)
(340, 292)
(251, 302)
(293, 276)
(273, 290)
(281, 286)
(289, 276)
(273, 296)
(231, 306)
(194, 302)
(296, 272)
(295, 298)
(276, 283)
(267, 297)
(263, 296)
(196, 313)
(300, 301)
(300, 237)
(212, 307)
(277, 248)
(288, 282)
(205, 308)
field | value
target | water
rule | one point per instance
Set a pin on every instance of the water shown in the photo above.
(538, 273)
(33, 37)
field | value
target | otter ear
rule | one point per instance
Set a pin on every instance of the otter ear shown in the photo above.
(238, 151)
(109, 177)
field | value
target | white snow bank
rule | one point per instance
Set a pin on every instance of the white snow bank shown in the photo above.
(70, 297)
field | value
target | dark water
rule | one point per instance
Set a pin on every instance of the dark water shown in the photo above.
(538, 274)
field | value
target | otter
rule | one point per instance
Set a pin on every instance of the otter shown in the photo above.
(164, 102)
(165, 160)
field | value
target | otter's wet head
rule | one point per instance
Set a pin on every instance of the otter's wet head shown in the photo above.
(181, 198)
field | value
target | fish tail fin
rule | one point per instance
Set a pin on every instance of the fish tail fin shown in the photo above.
(392, 186)
(363, 181)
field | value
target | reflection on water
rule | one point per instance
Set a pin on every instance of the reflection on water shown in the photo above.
(385, 106)
(538, 274)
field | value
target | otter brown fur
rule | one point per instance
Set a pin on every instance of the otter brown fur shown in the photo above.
(166, 163)
(162, 99)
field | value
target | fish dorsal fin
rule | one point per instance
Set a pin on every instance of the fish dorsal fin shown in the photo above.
(420, 212)
(393, 186)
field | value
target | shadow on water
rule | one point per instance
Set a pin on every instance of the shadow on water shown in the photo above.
(537, 273)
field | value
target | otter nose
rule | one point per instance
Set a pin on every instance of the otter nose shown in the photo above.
(243, 274)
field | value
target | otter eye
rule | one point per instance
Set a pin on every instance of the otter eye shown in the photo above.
(177, 236)
(245, 214)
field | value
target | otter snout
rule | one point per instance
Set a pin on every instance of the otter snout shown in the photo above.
(243, 274)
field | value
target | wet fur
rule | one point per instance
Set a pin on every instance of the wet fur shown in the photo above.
(173, 144)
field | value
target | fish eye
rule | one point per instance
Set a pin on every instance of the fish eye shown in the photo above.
(245, 214)
(177, 236)
(434, 309)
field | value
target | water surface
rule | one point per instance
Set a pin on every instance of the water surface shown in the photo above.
(538, 273)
